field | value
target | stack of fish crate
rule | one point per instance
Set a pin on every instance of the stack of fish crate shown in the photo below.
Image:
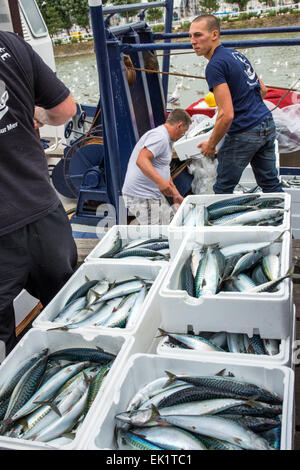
(292, 187)
(142, 355)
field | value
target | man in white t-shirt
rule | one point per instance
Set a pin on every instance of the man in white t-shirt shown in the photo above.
(148, 178)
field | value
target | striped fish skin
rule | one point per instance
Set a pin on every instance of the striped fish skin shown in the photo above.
(192, 342)
(142, 252)
(202, 407)
(221, 428)
(11, 381)
(63, 423)
(49, 389)
(83, 354)
(239, 200)
(170, 438)
(81, 291)
(254, 423)
(144, 394)
(217, 444)
(256, 343)
(116, 246)
(24, 390)
(230, 384)
(258, 409)
(187, 278)
(136, 442)
(135, 310)
(244, 218)
(226, 210)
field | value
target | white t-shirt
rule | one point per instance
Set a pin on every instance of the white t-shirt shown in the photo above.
(136, 184)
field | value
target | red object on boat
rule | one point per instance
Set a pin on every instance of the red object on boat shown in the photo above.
(200, 107)
(274, 95)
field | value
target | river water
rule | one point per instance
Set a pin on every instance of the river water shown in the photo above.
(276, 66)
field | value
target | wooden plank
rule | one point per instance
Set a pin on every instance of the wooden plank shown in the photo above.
(29, 319)
(84, 247)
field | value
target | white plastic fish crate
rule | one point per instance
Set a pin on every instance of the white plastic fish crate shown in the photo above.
(267, 314)
(142, 369)
(128, 233)
(112, 271)
(294, 192)
(283, 358)
(35, 340)
(177, 230)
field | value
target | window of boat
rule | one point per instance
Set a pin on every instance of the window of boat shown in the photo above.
(33, 17)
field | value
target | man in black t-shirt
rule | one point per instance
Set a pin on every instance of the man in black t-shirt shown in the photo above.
(37, 250)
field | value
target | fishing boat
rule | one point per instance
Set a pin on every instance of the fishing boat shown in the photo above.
(133, 97)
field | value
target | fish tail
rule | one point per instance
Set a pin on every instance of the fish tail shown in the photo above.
(162, 333)
(172, 378)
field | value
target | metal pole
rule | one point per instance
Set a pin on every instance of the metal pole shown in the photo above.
(111, 147)
(166, 59)
(233, 44)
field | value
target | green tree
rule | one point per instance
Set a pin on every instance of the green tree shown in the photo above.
(242, 4)
(209, 6)
(81, 14)
(154, 14)
(56, 14)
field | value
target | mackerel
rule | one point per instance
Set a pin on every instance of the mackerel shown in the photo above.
(231, 385)
(136, 309)
(244, 218)
(271, 266)
(170, 438)
(119, 317)
(82, 290)
(192, 342)
(235, 343)
(187, 278)
(136, 442)
(220, 428)
(126, 288)
(83, 354)
(25, 389)
(65, 422)
(239, 200)
(49, 389)
(116, 246)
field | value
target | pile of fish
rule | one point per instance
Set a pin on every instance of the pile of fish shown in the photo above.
(105, 304)
(201, 413)
(155, 249)
(291, 183)
(250, 210)
(222, 342)
(242, 267)
(49, 395)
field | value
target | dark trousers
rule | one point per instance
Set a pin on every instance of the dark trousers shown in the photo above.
(39, 257)
(257, 147)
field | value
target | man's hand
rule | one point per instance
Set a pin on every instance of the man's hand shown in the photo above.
(207, 149)
(166, 187)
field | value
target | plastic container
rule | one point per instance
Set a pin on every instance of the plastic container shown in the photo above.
(111, 270)
(267, 314)
(128, 233)
(177, 230)
(36, 340)
(142, 369)
(283, 358)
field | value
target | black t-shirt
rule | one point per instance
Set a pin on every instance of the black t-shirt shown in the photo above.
(25, 81)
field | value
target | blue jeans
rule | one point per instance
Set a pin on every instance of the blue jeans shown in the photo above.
(255, 146)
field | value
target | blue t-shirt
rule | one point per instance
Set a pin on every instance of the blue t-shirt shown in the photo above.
(231, 67)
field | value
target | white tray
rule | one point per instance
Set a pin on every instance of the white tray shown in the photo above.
(111, 270)
(142, 369)
(128, 233)
(36, 340)
(177, 230)
(267, 314)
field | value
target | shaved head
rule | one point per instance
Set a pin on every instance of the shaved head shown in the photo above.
(212, 22)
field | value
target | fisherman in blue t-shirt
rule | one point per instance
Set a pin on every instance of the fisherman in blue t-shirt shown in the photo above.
(242, 118)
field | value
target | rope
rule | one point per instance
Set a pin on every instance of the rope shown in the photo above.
(203, 78)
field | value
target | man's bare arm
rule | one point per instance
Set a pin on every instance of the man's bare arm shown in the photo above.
(224, 119)
(57, 115)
